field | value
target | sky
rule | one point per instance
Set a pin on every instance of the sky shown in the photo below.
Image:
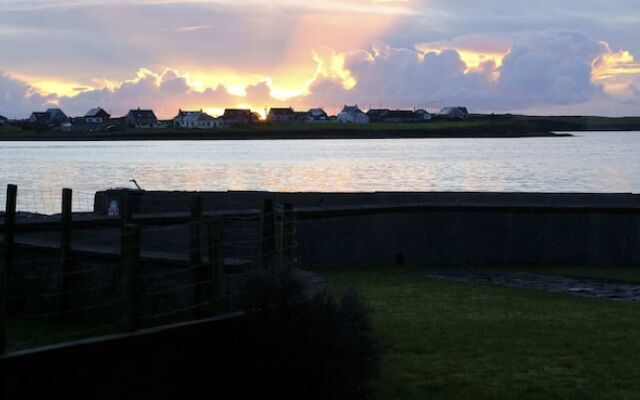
(538, 57)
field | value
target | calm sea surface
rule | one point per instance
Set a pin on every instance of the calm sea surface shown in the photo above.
(588, 162)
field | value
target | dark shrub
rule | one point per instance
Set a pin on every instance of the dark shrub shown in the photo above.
(295, 345)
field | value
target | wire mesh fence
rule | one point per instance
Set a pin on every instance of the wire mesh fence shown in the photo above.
(62, 281)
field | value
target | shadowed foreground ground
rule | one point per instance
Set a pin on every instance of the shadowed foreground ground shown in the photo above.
(453, 340)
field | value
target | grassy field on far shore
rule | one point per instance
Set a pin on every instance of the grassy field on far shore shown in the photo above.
(475, 126)
(447, 340)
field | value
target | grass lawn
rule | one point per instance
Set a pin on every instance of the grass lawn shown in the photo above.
(449, 340)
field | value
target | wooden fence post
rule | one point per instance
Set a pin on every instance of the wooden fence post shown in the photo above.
(268, 235)
(288, 235)
(216, 264)
(10, 226)
(6, 260)
(130, 285)
(195, 255)
(65, 249)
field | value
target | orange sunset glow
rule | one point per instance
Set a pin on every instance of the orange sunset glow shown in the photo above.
(218, 54)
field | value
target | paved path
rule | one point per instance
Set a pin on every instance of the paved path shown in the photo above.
(621, 291)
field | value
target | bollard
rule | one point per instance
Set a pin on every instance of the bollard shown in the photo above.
(130, 277)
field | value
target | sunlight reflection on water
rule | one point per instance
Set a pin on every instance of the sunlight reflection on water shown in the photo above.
(589, 162)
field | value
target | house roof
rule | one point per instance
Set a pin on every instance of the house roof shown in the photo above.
(377, 112)
(55, 113)
(40, 115)
(3, 118)
(352, 109)
(454, 111)
(237, 112)
(317, 112)
(142, 114)
(96, 112)
(282, 111)
(193, 116)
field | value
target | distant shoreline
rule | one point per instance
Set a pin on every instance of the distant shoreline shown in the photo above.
(230, 135)
(474, 127)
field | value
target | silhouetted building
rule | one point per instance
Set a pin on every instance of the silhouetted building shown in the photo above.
(377, 114)
(235, 116)
(316, 115)
(81, 124)
(141, 119)
(353, 114)
(281, 115)
(422, 115)
(301, 116)
(51, 117)
(392, 116)
(39, 118)
(96, 116)
(454, 113)
(196, 120)
(3, 120)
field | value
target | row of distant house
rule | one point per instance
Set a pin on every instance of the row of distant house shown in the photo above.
(99, 119)
(353, 114)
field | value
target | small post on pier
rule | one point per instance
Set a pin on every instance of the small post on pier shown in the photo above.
(288, 235)
(195, 254)
(10, 226)
(268, 235)
(130, 281)
(65, 249)
(216, 264)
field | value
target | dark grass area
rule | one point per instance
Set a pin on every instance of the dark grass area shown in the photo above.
(449, 340)
(30, 334)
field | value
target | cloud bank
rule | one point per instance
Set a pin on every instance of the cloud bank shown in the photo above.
(552, 71)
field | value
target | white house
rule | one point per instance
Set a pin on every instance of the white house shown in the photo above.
(454, 113)
(316, 115)
(196, 120)
(352, 114)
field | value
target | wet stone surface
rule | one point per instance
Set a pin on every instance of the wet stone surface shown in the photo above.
(620, 291)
